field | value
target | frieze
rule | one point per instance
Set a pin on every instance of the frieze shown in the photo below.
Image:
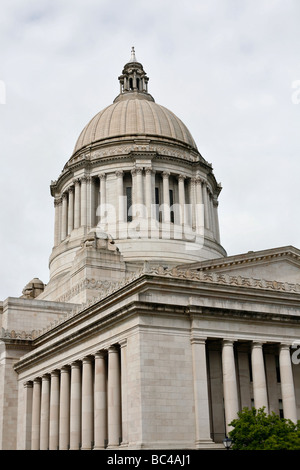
(106, 288)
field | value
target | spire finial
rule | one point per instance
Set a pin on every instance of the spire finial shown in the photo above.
(133, 58)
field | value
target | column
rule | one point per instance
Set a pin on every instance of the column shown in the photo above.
(133, 191)
(199, 210)
(54, 411)
(56, 222)
(102, 196)
(287, 383)
(36, 414)
(192, 203)
(229, 383)
(28, 388)
(200, 392)
(83, 201)
(64, 406)
(124, 419)
(89, 202)
(181, 198)
(148, 192)
(64, 217)
(120, 196)
(206, 206)
(76, 203)
(259, 377)
(216, 218)
(166, 197)
(75, 406)
(45, 412)
(87, 404)
(102, 188)
(139, 187)
(100, 404)
(114, 397)
(71, 210)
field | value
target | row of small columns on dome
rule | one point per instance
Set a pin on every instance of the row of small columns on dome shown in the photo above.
(75, 208)
(80, 405)
(230, 384)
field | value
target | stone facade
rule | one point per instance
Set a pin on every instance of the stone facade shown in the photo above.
(147, 335)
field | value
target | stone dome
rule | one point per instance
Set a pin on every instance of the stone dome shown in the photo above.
(136, 116)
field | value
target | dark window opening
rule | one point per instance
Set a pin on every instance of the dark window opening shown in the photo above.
(129, 203)
(157, 212)
(277, 369)
(171, 205)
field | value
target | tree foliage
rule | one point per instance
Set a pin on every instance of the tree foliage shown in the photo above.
(255, 430)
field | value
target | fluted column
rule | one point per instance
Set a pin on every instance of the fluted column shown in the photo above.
(192, 203)
(64, 406)
(206, 206)
(75, 406)
(166, 197)
(287, 384)
(54, 411)
(28, 388)
(45, 412)
(259, 377)
(139, 186)
(76, 203)
(36, 415)
(148, 192)
(87, 404)
(199, 210)
(100, 405)
(83, 201)
(229, 383)
(71, 210)
(216, 218)
(200, 391)
(114, 397)
(124, 419)
(120, 196)
(89, 202)
(56, 222)
(64, 215)
(181, 198)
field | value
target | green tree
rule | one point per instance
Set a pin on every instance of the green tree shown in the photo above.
(255, 430)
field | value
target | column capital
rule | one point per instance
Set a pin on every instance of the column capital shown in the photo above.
(256, 344)
(149, 171)
(198, 340)
(28, 384)
(166, 174)
(71, 188)
(76, 181)
(102, 176)
(285, 346)
(228, 341)
(181, 177)
(100, 354)
(57, 201)
(119, 173)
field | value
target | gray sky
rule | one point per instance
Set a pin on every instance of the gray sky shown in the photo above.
(229, 69)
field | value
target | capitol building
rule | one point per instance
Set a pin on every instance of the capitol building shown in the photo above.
(147, 335)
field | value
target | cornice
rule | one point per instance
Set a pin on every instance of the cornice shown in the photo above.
(252, 257)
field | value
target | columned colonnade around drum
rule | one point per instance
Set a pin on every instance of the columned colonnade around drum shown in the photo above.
(191, 200)
(83, 405)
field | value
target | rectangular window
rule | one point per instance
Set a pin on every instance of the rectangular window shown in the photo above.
(277, 369)
(157, 213)
(129, 203)
(171, 205)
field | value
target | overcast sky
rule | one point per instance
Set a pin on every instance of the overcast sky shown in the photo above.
(229, 69)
